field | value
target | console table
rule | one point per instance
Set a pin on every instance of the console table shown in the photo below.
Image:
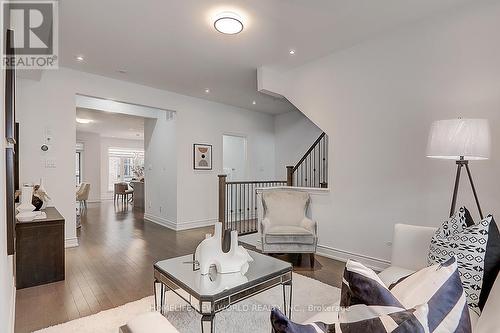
(212, 293)
(40, 250)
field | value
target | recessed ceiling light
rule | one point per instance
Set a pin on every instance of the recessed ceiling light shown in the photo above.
(207, 91)
(79, 58)
(292, 52)
(228, 23)
(83, 121)
(254, 102)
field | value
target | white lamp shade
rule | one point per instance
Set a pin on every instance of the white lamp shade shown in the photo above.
(454, 138)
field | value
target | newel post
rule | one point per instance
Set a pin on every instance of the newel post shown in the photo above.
(289, 175)
(222, 200)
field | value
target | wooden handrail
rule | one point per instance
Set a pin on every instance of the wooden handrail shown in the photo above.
(257, 182)
(309, 151)
(312, 168)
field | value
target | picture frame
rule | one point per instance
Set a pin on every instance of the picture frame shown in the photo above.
(202, 156)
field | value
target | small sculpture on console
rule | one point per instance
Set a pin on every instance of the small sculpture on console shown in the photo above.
(209, 252)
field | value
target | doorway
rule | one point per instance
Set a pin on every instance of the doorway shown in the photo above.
(234, 154)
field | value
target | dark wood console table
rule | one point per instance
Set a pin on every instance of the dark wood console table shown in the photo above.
(40, 250)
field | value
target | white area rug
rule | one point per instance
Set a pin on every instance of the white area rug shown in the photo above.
(250, 316)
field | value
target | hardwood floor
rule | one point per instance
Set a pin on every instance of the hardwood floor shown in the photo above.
(113, 266)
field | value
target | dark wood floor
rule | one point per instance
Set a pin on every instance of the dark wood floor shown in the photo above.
(113, 266)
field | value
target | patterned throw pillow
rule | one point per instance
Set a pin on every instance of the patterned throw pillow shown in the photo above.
(477, 249)
(407, 321)
(368, 306)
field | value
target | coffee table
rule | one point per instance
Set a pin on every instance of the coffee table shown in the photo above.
(212, 293)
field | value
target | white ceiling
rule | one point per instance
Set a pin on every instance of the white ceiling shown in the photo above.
(172, 44)
(111, 125)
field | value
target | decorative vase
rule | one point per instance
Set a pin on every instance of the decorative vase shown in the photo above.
(26, 198)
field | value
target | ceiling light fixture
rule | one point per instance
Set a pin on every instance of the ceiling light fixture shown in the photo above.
(207, 91)
(228, 23)
(254, 102)
(83, 121)
(292, 52)
(79, 58)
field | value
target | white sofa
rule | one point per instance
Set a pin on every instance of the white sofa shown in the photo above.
(409, 253)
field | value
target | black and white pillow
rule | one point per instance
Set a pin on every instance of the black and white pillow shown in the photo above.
(406, 321)
(368, 306)
(477, 249)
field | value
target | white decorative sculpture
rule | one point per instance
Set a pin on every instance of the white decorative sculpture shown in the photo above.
(26, 197)
(209, 252)
(210, 285)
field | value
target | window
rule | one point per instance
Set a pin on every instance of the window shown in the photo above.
(124, 165)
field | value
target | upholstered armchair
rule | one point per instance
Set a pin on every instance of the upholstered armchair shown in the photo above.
(284, 226)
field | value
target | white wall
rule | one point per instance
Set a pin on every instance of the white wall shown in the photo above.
(7, 291)
(295, 134)
(50, 103)
(376, 102)
(197, 188)
(161, 170)
(91, 162)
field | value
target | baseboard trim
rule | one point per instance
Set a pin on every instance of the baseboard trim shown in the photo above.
(161, 221)
(179, 226)
(71, 242)
(196, 224)
(13, 308)
(343, 255)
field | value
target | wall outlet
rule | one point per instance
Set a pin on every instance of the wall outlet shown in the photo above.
(50, 164)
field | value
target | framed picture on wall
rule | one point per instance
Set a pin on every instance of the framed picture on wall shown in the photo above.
(202, 157)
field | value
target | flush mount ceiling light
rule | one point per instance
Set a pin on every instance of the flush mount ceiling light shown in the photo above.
(228, 23)
(292, 52)
(83, 121)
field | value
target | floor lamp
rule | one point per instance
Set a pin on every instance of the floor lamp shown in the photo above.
(461, 140)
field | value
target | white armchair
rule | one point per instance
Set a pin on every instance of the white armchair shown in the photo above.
(284, 226)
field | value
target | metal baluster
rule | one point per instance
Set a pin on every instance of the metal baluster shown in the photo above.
(314, 167)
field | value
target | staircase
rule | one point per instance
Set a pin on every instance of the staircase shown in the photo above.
(238, 199)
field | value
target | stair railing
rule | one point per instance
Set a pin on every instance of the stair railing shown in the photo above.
(238, 203)
(312, 168)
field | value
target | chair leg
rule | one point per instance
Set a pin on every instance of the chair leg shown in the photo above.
(299, 259)
(311, 260)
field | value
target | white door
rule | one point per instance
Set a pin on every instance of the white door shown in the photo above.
(234, 152)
